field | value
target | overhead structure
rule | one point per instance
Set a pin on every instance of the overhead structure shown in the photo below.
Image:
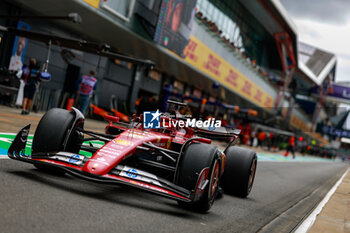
(316, 63)
(286, 53)
(314, 76)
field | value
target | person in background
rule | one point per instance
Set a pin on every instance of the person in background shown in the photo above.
(86, 88)
(261, 138)
(31, 76)
(246, 134)
(290, 147)
(271, 141)
(253, 138)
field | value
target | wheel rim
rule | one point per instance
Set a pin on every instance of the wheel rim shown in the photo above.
(252, 175)
(214, 181)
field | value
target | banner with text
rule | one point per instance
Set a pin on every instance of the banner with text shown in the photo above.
(94, 3)
(206, 60)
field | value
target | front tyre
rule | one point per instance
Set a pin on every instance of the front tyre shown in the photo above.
(200, 166)
(57, 131)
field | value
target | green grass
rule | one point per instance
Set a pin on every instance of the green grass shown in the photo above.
(6, 140)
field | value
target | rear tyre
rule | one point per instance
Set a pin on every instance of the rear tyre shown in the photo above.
(196, 158)
(51, 133)
(239, 172)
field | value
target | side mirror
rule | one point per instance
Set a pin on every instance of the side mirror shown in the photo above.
(236, 131)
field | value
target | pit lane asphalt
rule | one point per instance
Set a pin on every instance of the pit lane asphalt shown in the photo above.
(32, 201)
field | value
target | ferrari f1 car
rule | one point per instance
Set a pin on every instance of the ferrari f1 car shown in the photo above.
(177, 163)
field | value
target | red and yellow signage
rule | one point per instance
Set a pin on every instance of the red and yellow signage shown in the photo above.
(206, 60)
(94, 3)
(299, 123)
(296, 121)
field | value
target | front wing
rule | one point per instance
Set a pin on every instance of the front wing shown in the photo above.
(120, 175)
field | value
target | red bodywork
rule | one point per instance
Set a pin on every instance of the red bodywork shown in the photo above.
(122, 146)
(106, 164)
(138, 136)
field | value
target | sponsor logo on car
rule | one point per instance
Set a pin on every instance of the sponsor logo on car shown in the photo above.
(24, 135)
(116, 146)
(132, 173)
(101, 159)
(74, 159)
(110, 156)
(161, 144)
(168, 144)
(123, 142)
(140, 175)
(138, 134)
(109, 151)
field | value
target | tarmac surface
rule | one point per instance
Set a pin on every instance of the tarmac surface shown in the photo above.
(284, 193)
(33, 201)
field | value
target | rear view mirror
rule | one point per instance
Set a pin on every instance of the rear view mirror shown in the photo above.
(236, 131)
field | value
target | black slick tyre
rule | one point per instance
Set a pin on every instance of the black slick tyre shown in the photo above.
(239, 172)
(50, 135)
(197, 157)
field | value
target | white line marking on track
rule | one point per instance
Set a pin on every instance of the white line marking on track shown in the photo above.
(4, 157)
(14, 133)
(7, 133)
(309, 221)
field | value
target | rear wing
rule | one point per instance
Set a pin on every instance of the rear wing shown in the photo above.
(221, 134)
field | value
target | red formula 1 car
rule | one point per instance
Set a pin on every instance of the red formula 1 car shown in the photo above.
(177, 163)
